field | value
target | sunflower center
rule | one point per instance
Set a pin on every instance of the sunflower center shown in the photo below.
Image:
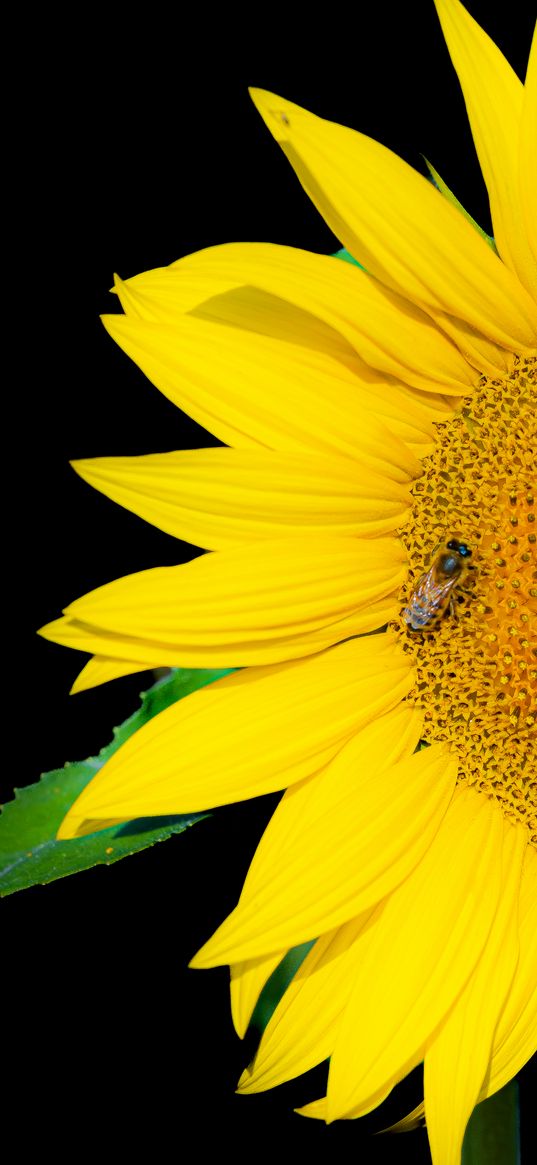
(476, 666)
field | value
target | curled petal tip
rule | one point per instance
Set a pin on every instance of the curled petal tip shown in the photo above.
(274, 110)
(78, 464)
(118, 282)
(200, 961)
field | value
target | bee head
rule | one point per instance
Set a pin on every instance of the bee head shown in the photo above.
(460, 548)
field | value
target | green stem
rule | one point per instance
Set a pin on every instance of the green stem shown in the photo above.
(493, 1135)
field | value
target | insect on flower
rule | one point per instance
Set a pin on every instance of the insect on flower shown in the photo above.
(434, 590)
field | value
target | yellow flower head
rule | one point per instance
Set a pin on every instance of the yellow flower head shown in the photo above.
(372, 573)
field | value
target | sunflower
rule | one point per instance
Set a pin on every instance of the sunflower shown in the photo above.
(379, 423)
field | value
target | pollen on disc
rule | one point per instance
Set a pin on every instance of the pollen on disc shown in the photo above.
(476, 669)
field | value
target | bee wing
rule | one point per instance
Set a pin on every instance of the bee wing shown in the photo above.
(430, 591)
(428, 600)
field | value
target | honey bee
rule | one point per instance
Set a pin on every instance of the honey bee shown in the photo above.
(433, 592)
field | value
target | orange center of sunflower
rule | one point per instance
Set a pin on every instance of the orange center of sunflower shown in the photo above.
(476, 667)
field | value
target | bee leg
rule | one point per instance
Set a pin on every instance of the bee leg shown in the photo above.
(452, 607)
(467, 587)
(469, 591)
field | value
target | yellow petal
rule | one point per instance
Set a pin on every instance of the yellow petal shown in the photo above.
(385, 329)
(106, 645)
(390, 737)
(515, 1038)
(457, 1058)
(315, 1109)
(318, 1109)
(486, 357)
(303, 1029)
(362, 842)
(481, 354)
(250, 733)
(325, 579)
(413, 1120)
(386, 740)
(389, 332)
(528, 153)
(100, 670)
(494, 98)
(261, 603)
(248, 396)
(419, 955)
(398, 226)
(219, 498)
(247, 981)
(156, 298)
(149, 653)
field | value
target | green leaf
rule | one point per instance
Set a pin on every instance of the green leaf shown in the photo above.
(29, 852)
(347, 258)
(275, 988)
(451, 197)
(492, 1136)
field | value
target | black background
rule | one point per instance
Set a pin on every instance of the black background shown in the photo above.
(135, 142)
